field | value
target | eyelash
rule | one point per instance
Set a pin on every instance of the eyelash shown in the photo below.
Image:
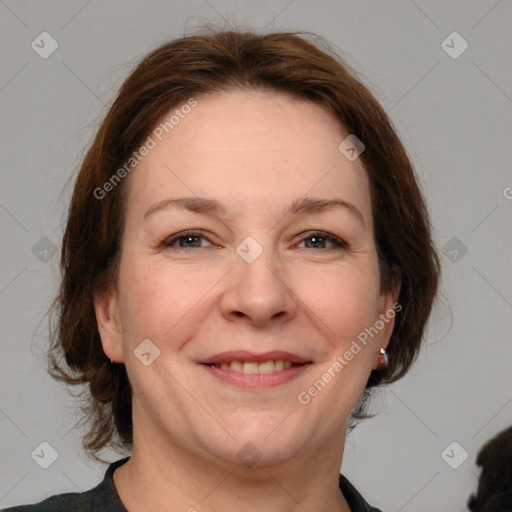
(338, 242)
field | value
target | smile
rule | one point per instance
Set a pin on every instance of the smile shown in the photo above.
(256, 372)
(252, 367)
(256, 381)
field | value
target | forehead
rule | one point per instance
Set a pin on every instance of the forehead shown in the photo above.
(252, 150)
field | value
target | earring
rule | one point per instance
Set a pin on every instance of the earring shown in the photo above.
(382, 362)
(111, 362)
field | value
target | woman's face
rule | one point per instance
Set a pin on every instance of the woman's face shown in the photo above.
(268, 276)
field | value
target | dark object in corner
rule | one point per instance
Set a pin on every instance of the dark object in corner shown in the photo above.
(495, 484)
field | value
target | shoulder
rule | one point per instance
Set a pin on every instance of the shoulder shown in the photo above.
(102, 498)
(354, 499)
(76, 501)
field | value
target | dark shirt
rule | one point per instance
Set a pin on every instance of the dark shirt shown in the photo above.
(104, 498)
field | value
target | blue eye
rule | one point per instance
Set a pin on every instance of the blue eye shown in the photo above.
(189, 239)
(319, 239)
(192, 240)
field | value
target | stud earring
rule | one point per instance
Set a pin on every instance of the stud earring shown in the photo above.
(382, 362)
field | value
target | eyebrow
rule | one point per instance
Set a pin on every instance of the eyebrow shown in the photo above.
(214, 207)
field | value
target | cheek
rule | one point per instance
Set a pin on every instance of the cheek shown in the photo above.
(344, 300)
(162, 301)
(156, 298)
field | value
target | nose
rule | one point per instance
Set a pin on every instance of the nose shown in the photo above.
(258, 293)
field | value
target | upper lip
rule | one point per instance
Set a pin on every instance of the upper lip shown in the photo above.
(245, 355)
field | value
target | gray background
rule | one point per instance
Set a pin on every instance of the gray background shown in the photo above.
(454, 116)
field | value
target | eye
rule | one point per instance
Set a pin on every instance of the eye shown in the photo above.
(319, 239)
(193, 240)
(185, 239)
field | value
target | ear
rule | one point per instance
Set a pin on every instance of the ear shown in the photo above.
(389, 307)
(109, 327)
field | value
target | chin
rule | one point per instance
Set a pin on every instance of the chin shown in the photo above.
(256, 444)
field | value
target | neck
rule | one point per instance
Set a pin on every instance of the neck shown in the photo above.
(153, 479)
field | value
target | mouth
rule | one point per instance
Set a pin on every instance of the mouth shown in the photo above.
(253, 367)
(256, 371)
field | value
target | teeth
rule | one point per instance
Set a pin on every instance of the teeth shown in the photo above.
(266, 367)
(250, 367)
(236, 366)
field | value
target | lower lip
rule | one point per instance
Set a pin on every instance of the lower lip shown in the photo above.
(256, 381)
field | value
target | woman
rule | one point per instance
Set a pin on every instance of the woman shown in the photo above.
(247, 255)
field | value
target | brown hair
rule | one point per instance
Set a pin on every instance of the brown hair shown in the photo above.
(167, 77)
